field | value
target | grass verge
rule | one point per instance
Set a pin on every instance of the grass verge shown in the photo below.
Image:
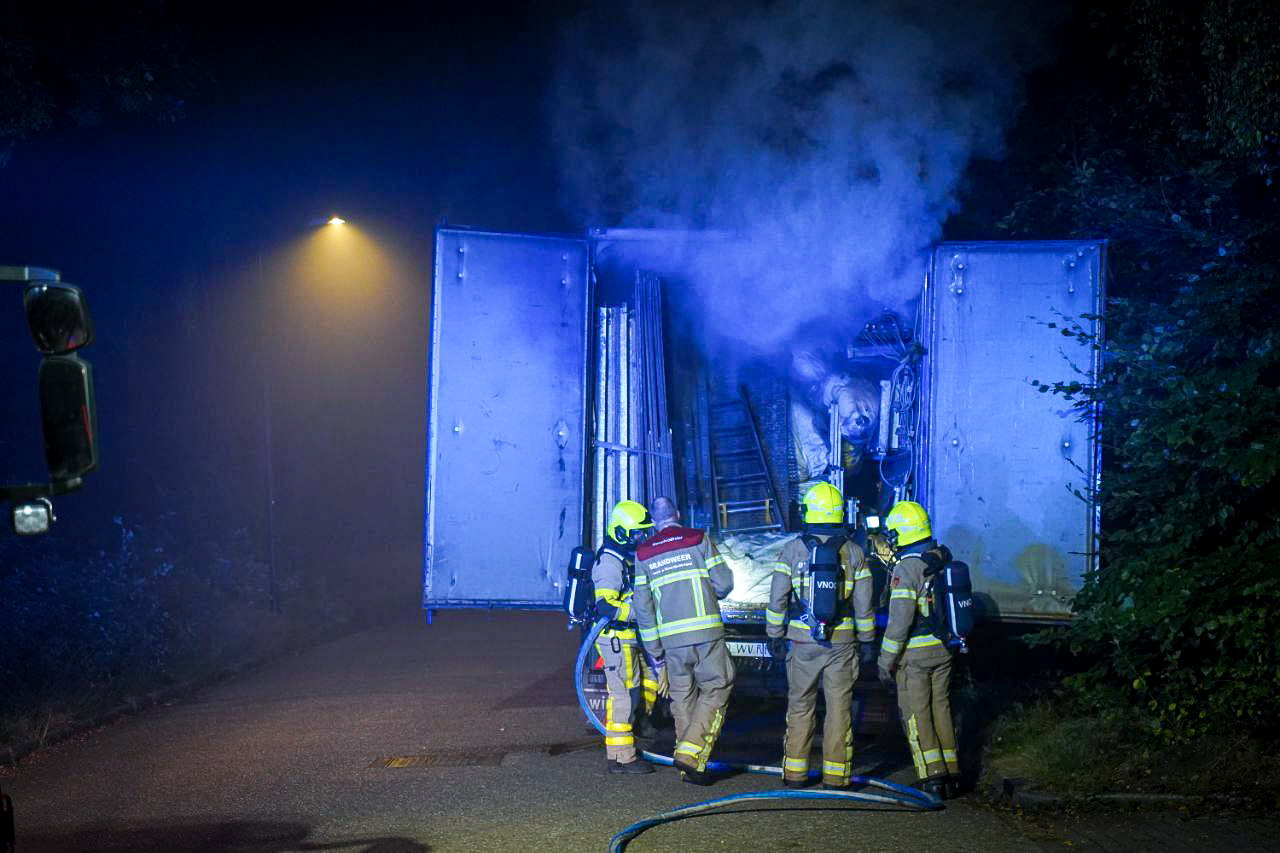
(1060, 748)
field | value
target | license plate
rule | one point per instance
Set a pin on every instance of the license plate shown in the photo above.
(748, 650)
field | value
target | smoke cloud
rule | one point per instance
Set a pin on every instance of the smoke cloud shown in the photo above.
(829, 136)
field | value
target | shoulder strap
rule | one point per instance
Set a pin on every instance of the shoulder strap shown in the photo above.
(835, 542)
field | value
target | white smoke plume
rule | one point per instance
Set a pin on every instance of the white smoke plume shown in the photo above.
(831, 136)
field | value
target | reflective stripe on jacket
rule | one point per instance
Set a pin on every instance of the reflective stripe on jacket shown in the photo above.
(679, 579)
(609, 576)
(791, 579)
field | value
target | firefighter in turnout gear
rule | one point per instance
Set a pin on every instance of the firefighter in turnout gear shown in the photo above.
(625, 677)
(679, 580)
(913, 658)
(830, 655)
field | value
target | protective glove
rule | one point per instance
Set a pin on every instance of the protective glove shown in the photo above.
(605, 610)
(658, 673)
(660, 676)
(867, 655)
(778, 648)
(887, 679)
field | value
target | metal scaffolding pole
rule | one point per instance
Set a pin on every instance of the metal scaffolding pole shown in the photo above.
(601, 426)
(628, 400)
(613, 472)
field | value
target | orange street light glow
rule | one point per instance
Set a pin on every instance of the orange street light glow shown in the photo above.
(337, 220)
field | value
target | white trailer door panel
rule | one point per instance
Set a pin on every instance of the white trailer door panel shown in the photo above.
(505, 417)
(1002, 461)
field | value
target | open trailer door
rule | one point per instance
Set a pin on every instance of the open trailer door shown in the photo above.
(505, 446)
(1003, 461)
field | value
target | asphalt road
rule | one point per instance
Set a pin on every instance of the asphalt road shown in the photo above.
(459, 736)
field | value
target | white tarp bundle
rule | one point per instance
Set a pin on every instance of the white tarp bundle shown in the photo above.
(752, 557)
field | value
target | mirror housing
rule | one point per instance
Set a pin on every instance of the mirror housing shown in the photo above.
(70, 418)
(32, 518)
(59, 320)
(58, 317)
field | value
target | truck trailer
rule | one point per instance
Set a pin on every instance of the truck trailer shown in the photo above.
(566, 373)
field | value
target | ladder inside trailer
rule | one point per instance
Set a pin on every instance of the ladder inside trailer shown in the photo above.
(746, 501)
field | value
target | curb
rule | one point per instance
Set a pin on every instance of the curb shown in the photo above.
(14, 753)
(1019, 792)
(1024, 793)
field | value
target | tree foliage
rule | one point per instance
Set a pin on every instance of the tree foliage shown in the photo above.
(1168, 147)
(77, 61)
(149, 607)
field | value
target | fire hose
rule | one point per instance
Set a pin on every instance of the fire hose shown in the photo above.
(890, 793)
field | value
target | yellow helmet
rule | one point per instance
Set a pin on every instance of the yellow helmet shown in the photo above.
(909, 523)
(823, 504)
(627, 518)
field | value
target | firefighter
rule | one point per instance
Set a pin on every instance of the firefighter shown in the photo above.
(679, 580)
(831, 655)
(913, 659)
(626, 680)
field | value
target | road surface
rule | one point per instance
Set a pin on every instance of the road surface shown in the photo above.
(463, 735)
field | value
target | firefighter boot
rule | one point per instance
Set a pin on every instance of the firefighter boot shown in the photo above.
(935, 787)
(695, 777)
(636, 766)
(954, 787)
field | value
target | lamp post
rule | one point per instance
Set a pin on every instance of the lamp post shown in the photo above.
(274, 584)
(273, 588)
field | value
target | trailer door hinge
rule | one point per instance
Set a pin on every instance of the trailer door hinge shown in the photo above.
(1071, 265)
(958, 267)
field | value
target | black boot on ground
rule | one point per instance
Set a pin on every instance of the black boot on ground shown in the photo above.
(954, 787)
(694, 777)
(934, 787)
(636, 766)
(795, 783)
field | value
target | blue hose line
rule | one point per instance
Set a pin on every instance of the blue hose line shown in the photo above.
(905, 796)
(619, 842)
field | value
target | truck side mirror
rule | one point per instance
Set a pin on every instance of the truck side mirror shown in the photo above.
(70, 418)
(58, 316)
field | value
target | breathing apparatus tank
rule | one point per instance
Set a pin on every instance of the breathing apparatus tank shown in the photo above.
(949, 585)
(579, 591)
(823, 509)
(957, 603)
(822, 605)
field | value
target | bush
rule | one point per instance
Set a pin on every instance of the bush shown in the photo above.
(1162, 133)
(1184, 610)
(85, 629)
(74, 625)
(1079, 751)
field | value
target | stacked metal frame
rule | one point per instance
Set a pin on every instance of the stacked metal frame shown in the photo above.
(633, 458)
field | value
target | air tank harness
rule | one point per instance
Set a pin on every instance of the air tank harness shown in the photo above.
(890, 793)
